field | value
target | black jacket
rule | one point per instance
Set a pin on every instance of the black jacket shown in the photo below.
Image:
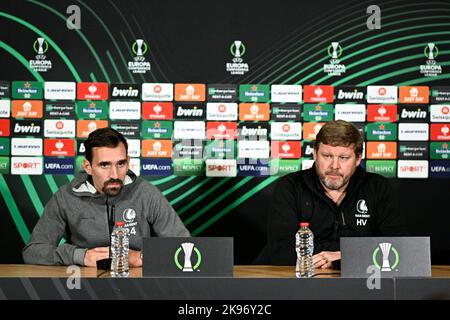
(368, 209)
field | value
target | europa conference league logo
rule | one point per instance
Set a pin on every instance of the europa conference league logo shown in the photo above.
(40, 64)
(188, 248)
(334, 68)
(139, 65)
(386, 249)
(237, 67)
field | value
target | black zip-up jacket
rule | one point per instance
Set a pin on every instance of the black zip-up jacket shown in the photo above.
(368, 209)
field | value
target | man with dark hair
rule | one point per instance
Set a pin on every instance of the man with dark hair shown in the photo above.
(336, 196)
(85, 210)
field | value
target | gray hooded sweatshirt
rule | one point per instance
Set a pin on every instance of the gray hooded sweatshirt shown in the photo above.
(83, 217)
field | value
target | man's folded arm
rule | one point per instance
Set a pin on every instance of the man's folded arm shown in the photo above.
(43, 246)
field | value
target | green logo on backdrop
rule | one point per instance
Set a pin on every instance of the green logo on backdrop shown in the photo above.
(188, 167)
(387, 168)
(4, 146)
(27, 90)
(386, 257)
(281, 167)
(79, 164)
(220, 149)
(382, 131)
(92, 110)
(157, 129)
(187, 265)
(254, 92)
(4, 165)
(439, 150)
(318, 112)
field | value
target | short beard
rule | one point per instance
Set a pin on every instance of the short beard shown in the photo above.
(332, 185)
(112, 191)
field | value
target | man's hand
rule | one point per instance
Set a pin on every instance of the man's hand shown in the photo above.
(325, 258)
(134, 258)
(92, 255)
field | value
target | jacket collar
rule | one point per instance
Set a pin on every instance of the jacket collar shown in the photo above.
(82, 185)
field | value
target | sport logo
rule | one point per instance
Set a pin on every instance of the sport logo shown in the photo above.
(189, 263)
(27, 165)
(388, 255)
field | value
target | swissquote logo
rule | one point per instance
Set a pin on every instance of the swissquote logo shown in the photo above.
(386, 257)
(188, 257)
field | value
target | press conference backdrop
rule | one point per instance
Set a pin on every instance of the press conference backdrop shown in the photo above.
(191, 83)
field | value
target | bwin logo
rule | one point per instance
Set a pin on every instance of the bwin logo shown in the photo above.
(125, 93)
(189, 112)
(355, 95)
(129, 215)
(415, 114)
(32, 128)
(253, 131)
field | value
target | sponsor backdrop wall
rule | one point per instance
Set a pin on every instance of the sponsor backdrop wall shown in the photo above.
(220, 99)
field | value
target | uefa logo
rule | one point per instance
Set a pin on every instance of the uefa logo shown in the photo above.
(388, 255)
(189, 263)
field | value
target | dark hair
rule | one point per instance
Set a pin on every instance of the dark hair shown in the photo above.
(104, 137)
(340, 133)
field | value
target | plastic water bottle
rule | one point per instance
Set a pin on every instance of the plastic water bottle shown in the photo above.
(304, 246)
(119, 251)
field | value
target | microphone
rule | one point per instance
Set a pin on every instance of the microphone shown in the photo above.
(105, 264)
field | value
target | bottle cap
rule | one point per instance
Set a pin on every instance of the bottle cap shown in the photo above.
(304, 224)
(120, 224)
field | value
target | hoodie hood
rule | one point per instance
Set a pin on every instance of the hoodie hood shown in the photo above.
(82, 187)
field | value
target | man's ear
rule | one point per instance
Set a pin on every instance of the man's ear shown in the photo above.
(87, 166)
(358, 160)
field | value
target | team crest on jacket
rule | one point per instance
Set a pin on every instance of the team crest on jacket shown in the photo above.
(129, 215)
(361, 206)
